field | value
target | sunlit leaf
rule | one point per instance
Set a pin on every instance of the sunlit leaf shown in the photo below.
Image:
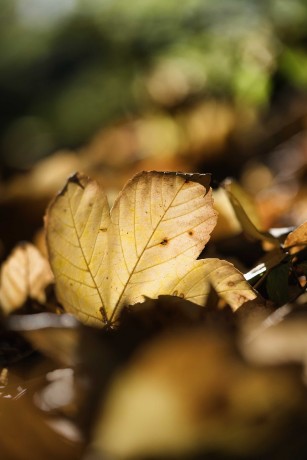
(228, 282)
(237, 198)
(246, 200)
(146, 247)
(159, 225)
(25, 274)
(297, 238)
(77, 222)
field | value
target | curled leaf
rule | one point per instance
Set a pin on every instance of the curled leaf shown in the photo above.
(297, 238)
(237, 198)
(25, 274)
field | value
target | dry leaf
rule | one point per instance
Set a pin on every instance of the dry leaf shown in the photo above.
(246, 200)
(297, 238)
(227, 224)
(226, 280)
(147, 246)
(237, 197)
(25, 274)
(159, 225)
(77, 223)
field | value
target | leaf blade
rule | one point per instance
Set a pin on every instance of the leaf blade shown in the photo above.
(25, 274)
(236, 195)
(228, 282)
(76, 226)
(159, 225)
(298, 237)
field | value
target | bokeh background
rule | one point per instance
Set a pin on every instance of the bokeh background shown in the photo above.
(112, 87)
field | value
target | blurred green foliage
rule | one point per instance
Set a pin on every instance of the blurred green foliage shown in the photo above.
(69, 67)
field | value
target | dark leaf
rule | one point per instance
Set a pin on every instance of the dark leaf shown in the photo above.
(277, 284)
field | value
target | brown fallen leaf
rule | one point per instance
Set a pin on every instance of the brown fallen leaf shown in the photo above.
(25, 274)
(296, 239)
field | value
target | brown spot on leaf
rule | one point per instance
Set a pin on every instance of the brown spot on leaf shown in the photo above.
(191, 233)
(230, 283)
(164, 241)
(103, 229)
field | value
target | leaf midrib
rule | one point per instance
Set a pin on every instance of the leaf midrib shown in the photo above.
(141, 254)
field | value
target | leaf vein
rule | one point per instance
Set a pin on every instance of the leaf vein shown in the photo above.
(144, 249)
(88, 267)
(69, 261)
(189, 212)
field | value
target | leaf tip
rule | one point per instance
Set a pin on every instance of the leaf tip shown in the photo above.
(80, 179)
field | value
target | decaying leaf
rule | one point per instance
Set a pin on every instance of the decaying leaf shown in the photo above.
(25, 274)
(147, 245)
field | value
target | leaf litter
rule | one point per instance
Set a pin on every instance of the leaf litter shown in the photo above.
(177, 367)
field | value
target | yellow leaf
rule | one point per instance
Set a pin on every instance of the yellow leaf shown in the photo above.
(146, 247)
(159, 225)
(247, 214)
(77, 222)
(226, 280)
(25, 274)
